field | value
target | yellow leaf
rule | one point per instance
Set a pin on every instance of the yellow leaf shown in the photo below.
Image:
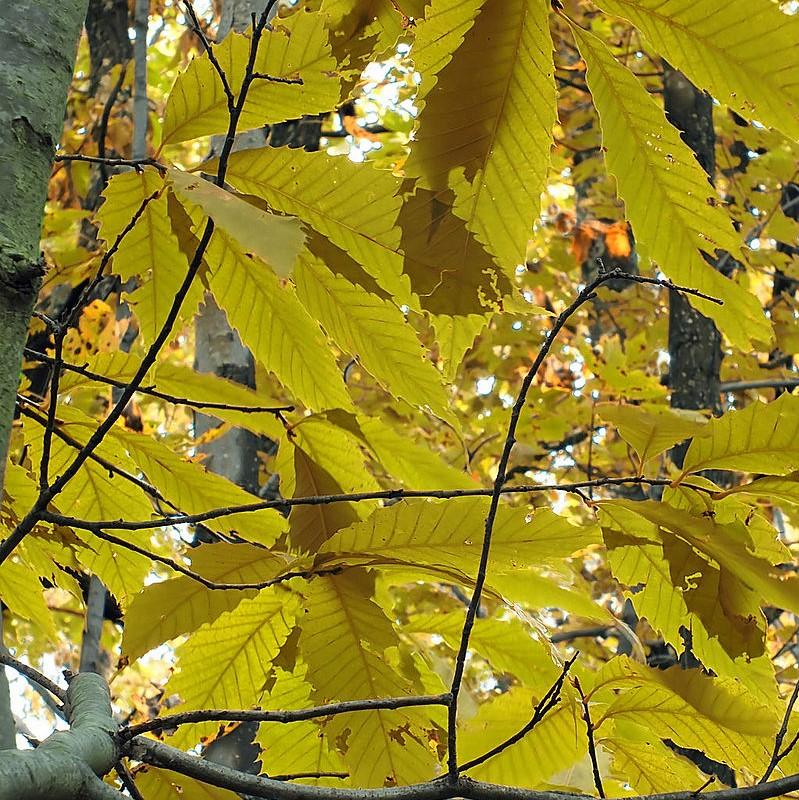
(716, 716)
(180, 605)
(489, 139)
(296, 47)
(274, 239)
(275, 326)
(415, 465)
(508, 645)
(746, 57)
(455, 337)
(355, 206)
(375, 332)
(557, 742)
(161, 784)
(21, 591)
(301, 746)
(150, 250)
(667, 196)
(344, 636)
(643, 761)
(192, 489)
(451, 533)
(225, 663)
(651, 429)
(763, 437)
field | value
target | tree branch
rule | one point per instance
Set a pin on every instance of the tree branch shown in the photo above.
(254, 715)
(356, 497)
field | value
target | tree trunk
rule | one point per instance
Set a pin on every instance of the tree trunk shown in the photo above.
(694, 341)
(37, 52)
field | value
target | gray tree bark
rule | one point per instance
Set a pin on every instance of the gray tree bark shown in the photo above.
(38, 42)
(69, 764)
(694, 341)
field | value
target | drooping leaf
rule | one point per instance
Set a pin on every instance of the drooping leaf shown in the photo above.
(714, 715)
(162, 611)
(344, 638)
(275, 326)
(746, 57)
(149, 250)
(301, 746)
(162, 784)
(667, 196)
(493, 132)
(451, 533)
(375, 332)
(652, 429)
(292, 48)
(355, 207)
(274, 239)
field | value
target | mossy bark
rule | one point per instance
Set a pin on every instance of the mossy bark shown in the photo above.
(38, 41)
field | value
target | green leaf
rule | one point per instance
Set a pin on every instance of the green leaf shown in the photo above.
(275, 326)
(746, 57)
(763, 437)
(296, 47)
(671, 205)
(489, 138)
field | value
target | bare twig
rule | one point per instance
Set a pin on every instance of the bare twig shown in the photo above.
(32, 675)
(153, 392)
(255, 715)
(589, 731)
(544, 705)
(356, 497)
(776, 755)
(112, 162)
(128, 781)
(766, 383)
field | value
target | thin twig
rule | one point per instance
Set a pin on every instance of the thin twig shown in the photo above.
(195, 576)
(256, 715)
(766, 383)
(588, 293)
(27, 524)
(32, 675)
(107, 465)
(589, 731)
(776, 756)
(153, 392)
(355, 497)
(113, 162)
(128, 781)
(544, 705)
(209, 50)
(50, 424)
(276, 79)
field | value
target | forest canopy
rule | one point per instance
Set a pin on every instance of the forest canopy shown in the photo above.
(398, 399)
